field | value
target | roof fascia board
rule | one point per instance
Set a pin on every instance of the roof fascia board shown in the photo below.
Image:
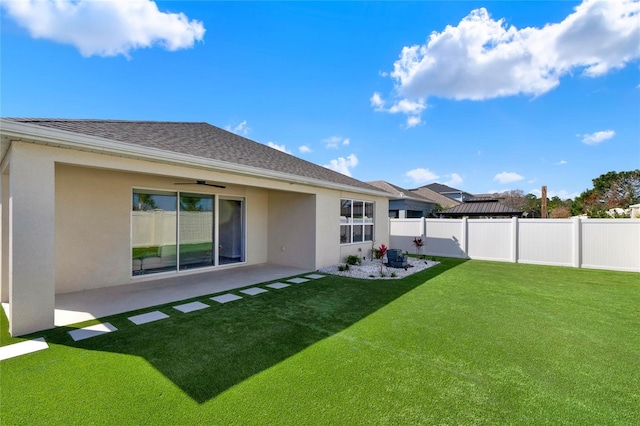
(62, 138)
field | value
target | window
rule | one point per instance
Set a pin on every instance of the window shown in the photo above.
(356, 221)
(173, 231)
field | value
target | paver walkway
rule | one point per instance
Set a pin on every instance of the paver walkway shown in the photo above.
(38, 344)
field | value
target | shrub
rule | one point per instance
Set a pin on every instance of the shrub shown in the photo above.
(353, 260)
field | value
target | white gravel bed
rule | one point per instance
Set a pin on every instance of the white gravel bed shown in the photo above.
(371, 269)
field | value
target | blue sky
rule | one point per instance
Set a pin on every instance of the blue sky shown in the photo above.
(483, 96)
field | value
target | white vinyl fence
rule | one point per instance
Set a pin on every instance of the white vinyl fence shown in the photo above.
(612, 244)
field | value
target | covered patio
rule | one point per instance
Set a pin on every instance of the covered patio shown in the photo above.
(79, 306)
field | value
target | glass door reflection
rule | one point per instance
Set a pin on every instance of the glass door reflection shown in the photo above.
(196, 231)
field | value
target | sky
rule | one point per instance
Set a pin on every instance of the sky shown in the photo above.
(481, 96)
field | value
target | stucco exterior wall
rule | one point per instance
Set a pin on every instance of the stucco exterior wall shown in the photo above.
(93, 224)
(327, 231)
(292, 224)
(30, 256)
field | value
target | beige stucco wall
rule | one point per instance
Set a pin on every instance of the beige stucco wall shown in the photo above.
(292, 218)
(30, 255)
(93, 224)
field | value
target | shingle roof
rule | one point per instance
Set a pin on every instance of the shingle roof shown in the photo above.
(482, 206)
(443, 200)
(198, 139)
(443, 189)
(398, 191)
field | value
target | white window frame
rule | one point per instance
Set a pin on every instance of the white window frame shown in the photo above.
(352, 222)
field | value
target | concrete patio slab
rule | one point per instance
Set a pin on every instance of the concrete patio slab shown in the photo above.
(143, 292)
(278, 285)
(190, 307)
(148, 317)
(315, 276)
(92, 331)
(23, 348)
(253, 291)
(226, 298)
(297, 280)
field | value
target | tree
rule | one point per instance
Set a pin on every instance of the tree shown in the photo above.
(610, 190)
(144, 202)
(514, 199)
(190, 204)
(534, 206)
(561, 212)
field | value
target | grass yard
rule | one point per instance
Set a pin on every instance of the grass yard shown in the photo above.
(462, 343)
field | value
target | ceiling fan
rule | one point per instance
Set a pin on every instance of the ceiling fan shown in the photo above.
(200, 182)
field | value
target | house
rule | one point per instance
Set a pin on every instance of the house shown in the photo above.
(481, 208)
(449, 192)
(97, 203)
(442, 200)
(406, 204)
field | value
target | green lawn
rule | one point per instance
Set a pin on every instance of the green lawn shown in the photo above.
(461, 343)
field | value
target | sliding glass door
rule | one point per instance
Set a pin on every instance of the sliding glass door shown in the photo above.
(173, 231)
(231, 224)
(153, 232)
(196, 234)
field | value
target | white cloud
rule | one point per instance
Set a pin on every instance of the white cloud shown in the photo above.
(377, 102)
(597, 137)
(278, 147)
(106, 28)
(560, 163)
(333, 142)
(413, 121)
(304, 149)
(483, 58)
(454, 180)
(343, 165)
(239, 129)
(507, 177)
(406, 106)
(421, 176)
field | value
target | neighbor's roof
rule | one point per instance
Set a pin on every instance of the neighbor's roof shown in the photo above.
(443, 200)
(444, 189)
(398, 192)
(197, 139)
(482, 206)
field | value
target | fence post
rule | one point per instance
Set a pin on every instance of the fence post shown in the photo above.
(577, 241)
(514, 239)
(463, 243)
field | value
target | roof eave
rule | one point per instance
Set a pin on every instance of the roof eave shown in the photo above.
(65, 139)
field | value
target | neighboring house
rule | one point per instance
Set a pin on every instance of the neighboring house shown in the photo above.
(97, 203)
(405, 204)
(442, 200)
(480, 208)
(449, 192)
